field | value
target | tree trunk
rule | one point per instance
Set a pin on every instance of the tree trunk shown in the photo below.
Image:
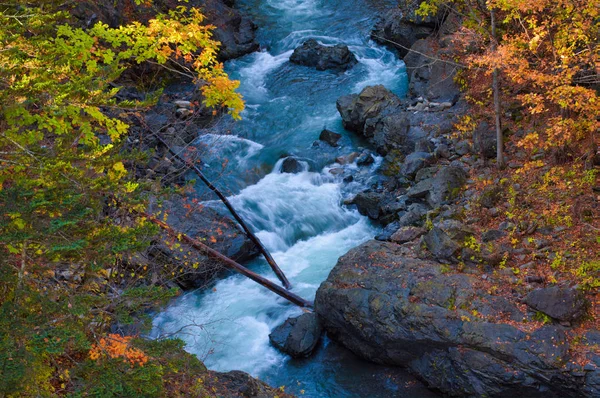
(496, 90)
(234, 213)
(291, 297)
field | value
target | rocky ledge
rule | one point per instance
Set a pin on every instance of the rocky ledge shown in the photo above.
(450, 329)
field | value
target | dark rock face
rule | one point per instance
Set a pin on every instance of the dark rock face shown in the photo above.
(396, 30)
(371, 103)
(202, 224)
(484, 140)
(407, 312)
(407, 234)
(313, 54)
(369, 204)
(292, 165)
(240, 384)
(441, 245)
(330, 137)
(415, 162)
(380, 116)
(298, 336)
(562, 303)
(431, 80)
(441, 187)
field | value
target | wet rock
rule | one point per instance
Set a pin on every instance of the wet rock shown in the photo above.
(369, 204)
(292, 165)
(415, 162)
(407, 234)
(347, 159)
(562, 303)
(298, 336)
(441, 245)
(408, 312)
(314, 54)
(365, 159)
(330, 137)
(396, 30)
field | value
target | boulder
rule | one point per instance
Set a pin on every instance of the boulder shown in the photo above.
(484, 141)
(365, 159)
(407, 234)
(431, 80)
(415, 162)
(292, 165)
(561, 303)
(369, 203)
(321, 57)
(237, 384)
(441, 245)
(407, 312)
(330, 137)
(395, 29)
(444, 186)
(200, 223)
(298, 336)
(373, 102)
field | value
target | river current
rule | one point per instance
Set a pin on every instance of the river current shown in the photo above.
(299, 217)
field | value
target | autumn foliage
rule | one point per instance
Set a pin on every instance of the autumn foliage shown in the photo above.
(67, 194)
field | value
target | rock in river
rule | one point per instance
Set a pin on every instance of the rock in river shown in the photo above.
(393, 309)
(298, 336)
(316, 55)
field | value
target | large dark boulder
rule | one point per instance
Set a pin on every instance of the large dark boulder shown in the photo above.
(430, 76)
(200, 222)
(292, 165)
(298, 336)
(330, 137)
(562, 303)
(398, 32)
(484, 140)
(402, 311)
(441, 245)
(238, 384)
(444, 186)
(415, 162)
(369, 203)
(316, 55)
(373, 102)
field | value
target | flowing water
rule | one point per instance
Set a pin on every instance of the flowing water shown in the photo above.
(299, 217)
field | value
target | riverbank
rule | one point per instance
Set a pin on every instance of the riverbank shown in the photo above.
(454, 289)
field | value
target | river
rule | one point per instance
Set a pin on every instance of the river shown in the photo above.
(299, 217)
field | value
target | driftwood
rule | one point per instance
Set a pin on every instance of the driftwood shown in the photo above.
(234, 213)
(286, 294)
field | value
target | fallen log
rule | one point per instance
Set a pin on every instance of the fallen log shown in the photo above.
(196, 244)
(234, 213)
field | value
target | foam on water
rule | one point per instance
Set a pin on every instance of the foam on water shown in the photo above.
(230, 147)
(254, 72)
(232, 321)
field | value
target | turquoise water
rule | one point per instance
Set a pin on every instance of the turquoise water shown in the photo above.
(299, 217)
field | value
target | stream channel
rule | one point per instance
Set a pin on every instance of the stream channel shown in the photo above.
(299, 217)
